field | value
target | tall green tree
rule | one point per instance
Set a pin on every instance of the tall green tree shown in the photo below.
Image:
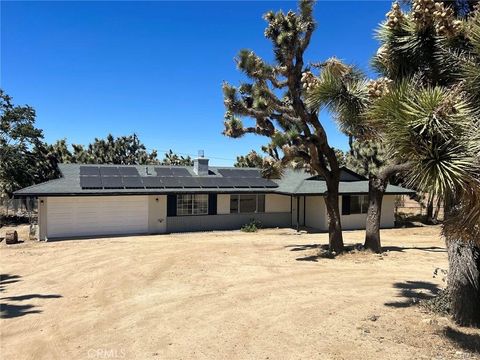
(18, 137)
(48, 156)
(274, 99)
(122, 150)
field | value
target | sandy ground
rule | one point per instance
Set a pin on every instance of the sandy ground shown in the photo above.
(226, 295)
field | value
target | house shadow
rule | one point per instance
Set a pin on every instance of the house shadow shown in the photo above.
(12, 306)
(412, 292)
(467, 342)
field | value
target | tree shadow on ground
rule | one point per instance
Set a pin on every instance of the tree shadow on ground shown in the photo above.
(323, 251)
(12, 310)
(468, 342)
(8, 311)
(403, 248)
(303, 247)
(412, 292)
(6, 279)
(31, 296)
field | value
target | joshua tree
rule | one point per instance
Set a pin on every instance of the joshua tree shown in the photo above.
(348, 95)
(173, 159)
(425, 111)
(430, 117)
(251, 160)
(295, 131)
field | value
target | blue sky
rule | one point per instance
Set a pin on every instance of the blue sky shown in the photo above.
(156, 68)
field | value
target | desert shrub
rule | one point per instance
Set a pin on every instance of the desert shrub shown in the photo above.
(440, 303)
(252, 226)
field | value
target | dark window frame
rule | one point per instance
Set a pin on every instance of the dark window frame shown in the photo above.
(194, 210)
(259, 204)
(350, 208)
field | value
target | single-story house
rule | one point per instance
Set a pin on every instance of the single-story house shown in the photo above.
(90, 200)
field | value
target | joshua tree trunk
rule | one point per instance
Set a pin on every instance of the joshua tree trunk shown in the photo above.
(334, 220)
(430, 209)
(376, 189)
(464, 280)
(437, 210)
(377, 185)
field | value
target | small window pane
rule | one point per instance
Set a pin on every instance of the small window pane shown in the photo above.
(364, 201)
(248, 203)
(358, 204)
(233, 204)
(261, 204)
(355, 205)
(200, 204)
(184, 204)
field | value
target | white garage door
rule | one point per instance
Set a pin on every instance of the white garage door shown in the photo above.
(96, 215)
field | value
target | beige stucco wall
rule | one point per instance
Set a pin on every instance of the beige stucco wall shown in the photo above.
(277, 203)
(316, 215)
(157, 214)
(42, 217)
(357, 221)
(352, 221)
(223, 204)
(388, 212)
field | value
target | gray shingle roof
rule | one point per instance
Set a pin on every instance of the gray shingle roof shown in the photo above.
(294, 182)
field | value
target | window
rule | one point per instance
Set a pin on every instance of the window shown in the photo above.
(192, 204)
(354, 204)
(248, 203)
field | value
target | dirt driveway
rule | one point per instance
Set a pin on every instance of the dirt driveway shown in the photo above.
(225, 295)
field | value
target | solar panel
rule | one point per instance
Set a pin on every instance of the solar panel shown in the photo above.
(163, 171)
(90, 182)
(258, 183)
(109, 171)
(89, 170)
(171, 182)
(133, 182)
(128, 171)
(189, 182)
(208, 182)
(152, 182)
(226, 182)
(180, 172)
(112, 182)
(250, 173)
(242, 182)
(237, 173)
(270, 184)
